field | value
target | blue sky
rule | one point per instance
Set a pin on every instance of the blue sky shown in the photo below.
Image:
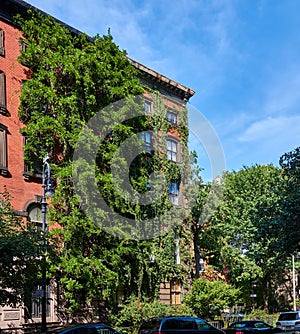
(242, 57)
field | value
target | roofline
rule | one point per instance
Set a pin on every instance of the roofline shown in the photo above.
(187, 92)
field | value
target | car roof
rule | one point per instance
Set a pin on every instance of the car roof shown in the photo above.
(289, 312)
(158, 319)
(71, 327)
(174, 317)
(247, 322)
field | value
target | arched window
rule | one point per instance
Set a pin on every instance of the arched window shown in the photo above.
(35, 214)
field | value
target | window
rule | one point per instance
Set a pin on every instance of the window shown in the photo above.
(261, 325)
(146, 137)
(174, 193)
(177, 249)
(176, 292)
(171, 117)
(35, 214)
(2, 48)
(172, 148)
(187, 324)
(147, 106)
(36, 303)
(36, 167)
(170, 324)
(3, 150)
(22, 46)
(201, 324)
(201, 265)
(3, 108)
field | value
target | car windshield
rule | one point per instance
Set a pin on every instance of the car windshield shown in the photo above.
(103, 330)
(238, 325)
(288, 316)
(260, 325)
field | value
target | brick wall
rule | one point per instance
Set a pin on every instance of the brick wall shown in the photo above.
(22, 191)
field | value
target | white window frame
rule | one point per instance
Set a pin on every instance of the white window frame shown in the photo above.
(172, 150)
(147, 138)
(172, 117)
(147, 106)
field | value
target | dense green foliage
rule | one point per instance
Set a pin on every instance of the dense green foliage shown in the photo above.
(20, 256)
(290, 201)
(247, 236)
(246, 240)
(71, 79)
(135, 311)
(209, 299)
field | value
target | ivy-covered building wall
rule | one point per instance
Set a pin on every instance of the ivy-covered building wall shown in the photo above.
(21, 135)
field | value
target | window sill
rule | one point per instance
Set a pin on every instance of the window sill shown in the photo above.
(4, 111)
(4, 171)
(31, 176)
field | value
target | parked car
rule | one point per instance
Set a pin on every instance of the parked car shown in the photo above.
(177, 325)
(251, 326)
(86, 329)
(289, 320)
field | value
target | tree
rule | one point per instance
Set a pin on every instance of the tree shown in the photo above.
(206, 198)
(242, 240)
(21, 248)
(208, 299)
(290, 203)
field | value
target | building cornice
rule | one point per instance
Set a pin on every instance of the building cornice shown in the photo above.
(9, 8)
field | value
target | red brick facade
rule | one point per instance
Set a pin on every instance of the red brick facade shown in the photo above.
(22, 191)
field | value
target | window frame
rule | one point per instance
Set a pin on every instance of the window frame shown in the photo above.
(2, 43)
(174, 117)
(22, 48)
(37, 210)
(3, 105)
(176, 292)
(148, 144)
(148, 103)
(172, 155)
(3, 150)
(173, 193)
(37, 172)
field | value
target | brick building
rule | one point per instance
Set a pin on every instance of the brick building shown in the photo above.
(24, 187)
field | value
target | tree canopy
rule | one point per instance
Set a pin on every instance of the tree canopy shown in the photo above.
(21, 248)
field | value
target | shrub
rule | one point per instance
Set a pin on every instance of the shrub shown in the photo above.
(135, 311)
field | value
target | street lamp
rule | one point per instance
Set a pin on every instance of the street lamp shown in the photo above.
(294, 283)
(47, 190)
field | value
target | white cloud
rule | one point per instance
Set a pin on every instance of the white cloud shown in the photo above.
(281, 87)
(277, 135)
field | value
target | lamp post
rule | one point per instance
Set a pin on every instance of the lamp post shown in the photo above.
(47, 190)
(294, 283)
